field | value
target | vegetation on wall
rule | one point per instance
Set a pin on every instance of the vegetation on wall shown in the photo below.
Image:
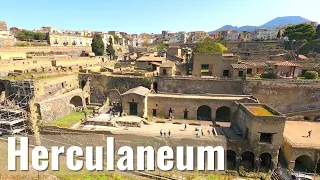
(318, 32)
(209, 46)
(97, 45)
(268, 75)
(311, 75)
(162, 47)
(25, 35)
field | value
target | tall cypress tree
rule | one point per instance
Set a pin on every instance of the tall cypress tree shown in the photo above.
(97, 45)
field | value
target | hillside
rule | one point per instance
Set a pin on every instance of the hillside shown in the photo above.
(271, 24)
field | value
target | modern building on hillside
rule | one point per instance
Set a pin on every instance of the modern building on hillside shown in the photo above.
(264, 33)
(232, 35)
(6, 39)
(69, 40)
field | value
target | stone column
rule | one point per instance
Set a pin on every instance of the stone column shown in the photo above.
(238, 162)
(274, 164)
(257, 164)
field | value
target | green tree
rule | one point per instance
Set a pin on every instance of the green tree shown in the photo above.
(318, 31)
(39, 36)
(110, 50)
(300, 32)
(97, 45)
(209, 46)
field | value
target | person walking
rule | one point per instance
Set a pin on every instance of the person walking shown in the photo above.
(169, 133)
(164, 133)
(309, 133)
(161, 132)
(185, 126)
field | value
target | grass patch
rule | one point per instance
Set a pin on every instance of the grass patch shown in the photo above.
(305, 79)
(70, 120)
(260, 111)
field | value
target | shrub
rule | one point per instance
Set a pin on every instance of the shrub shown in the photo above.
(311, 75)
(268, 75)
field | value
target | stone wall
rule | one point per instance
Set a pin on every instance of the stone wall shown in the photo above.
(292, 153)
(47, 49)
(49, 63)
(199, 86)
(285, 96)
(58, 106)
(180, 103)
(101, 84)
(6, 42)
(52, 87)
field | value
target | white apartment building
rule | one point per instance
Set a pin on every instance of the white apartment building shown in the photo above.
(265, 34)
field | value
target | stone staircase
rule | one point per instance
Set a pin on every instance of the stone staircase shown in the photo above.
(282, 172)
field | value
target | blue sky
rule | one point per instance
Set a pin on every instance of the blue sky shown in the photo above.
(151, 16)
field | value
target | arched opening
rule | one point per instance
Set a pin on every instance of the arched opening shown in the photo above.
(306, 118)
(223, 114)
(2, 88)
(76, 101)
(265, 162)
(231, 160)
(304, 164)
(317, 119)
(247, 160)
(155, 87)
(204, 113)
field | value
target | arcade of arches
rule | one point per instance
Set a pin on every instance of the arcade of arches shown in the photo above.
(222, 114)
(248, 161)
(76, 101)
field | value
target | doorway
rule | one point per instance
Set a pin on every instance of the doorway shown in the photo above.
(185, 114)
(154, 113)
(133, 109)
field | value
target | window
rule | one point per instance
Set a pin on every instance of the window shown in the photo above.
(249, 71)
(266, 138)
(164, 72)
(225, 73)
(240, 74)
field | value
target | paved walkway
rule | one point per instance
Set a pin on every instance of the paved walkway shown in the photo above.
(177, 130)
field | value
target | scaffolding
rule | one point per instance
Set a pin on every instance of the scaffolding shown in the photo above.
(14, 109)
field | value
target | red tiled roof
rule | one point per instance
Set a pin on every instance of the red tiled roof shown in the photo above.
(286, 63)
